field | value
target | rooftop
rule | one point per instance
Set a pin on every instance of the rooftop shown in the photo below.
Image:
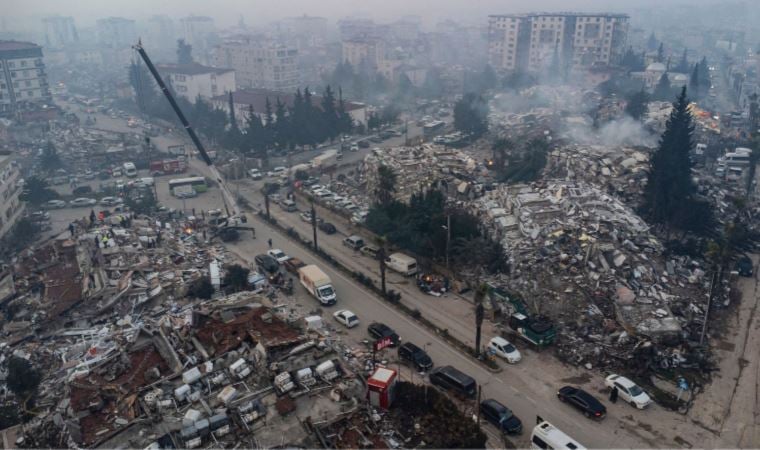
(191, 69)
(258, 99)
(17, 45)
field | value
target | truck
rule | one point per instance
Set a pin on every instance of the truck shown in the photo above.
(166, 166)
(536, 330)
(328, 159)
(318, 284)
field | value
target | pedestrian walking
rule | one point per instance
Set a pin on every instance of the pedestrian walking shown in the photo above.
(270, 242)
(614, 394)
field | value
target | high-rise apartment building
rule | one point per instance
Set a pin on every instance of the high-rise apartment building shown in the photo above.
(23, 81)
(116, 32)
(10, 189)
(532, 42)
(60, 32)
(259, 63)
(367, 53)
(196, 30)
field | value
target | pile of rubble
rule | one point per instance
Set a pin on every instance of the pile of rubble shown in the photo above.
(588, 261)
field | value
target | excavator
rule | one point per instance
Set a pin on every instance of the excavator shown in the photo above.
(235, 219)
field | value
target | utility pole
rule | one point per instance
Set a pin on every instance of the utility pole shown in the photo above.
(314, 224)
(266, 200)
(479, 315)
(381, 257)
(477, 406)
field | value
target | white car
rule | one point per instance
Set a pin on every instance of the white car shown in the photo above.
(255, 174)
(278, 254)
(276, 171)
(110, 201)
(628, 391)
(54, 204)
(347, 318)
(503, 348)
(82, 201)
(306, 216)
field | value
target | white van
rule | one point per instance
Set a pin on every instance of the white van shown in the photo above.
(130, 170)
(401, 263)
(547, 436)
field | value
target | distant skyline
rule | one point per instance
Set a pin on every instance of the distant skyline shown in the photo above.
(257, 12)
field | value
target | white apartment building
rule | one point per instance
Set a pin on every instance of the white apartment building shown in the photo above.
(11, 207)
(191, 80)
(530, 41)
(60, 32)
(260, 63)
(363, 52)
(23, 81)
(196, 31)
(116, 32)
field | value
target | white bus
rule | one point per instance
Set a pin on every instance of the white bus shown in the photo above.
(547, 436)
(129, 169)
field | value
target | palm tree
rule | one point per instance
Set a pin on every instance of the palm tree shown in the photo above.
(480, 294)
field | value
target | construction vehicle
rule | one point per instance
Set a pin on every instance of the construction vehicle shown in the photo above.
(234, 218)
(537, 330)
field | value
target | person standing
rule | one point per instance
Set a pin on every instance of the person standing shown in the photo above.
(614, 394)
(270, 242)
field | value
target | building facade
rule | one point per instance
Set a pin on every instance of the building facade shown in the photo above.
(60, 32)
(116, 32)
(533, 42)
(11, 207)
(192, 80)
(23, 82)
(260, 63)
(363, 52)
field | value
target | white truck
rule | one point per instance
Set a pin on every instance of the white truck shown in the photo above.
(318, 284)
(328, 159)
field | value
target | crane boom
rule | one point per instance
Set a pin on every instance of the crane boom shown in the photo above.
(229, 199)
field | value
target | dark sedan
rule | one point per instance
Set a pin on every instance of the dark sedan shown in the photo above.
(380, 330)
(267, 263)
(327, 228)
(500, 416)
(582, 401)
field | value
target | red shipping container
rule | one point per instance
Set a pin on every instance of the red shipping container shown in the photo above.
(381, 387)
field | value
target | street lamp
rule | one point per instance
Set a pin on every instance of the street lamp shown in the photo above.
(447, 227)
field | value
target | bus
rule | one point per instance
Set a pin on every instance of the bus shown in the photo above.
(197, 183)
(129, 169)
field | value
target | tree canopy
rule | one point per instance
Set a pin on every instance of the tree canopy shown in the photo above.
(471, 115)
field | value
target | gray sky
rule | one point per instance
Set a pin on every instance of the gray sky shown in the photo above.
(226, 12)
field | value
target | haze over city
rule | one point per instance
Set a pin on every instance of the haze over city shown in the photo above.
(379, 224)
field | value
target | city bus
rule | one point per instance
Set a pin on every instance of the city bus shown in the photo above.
(197, 183)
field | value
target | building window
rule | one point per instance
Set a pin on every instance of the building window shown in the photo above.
(11, 64)
(30, 93)
(23, 63)
(28, 83)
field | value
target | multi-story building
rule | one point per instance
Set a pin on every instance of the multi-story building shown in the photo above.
(533, 41)
(116, 32)
(10, 189)
(368, 53)
(196, 31)
(60, 32)
(193, 80)
(259, 63)
(310, 30)
(23, 81)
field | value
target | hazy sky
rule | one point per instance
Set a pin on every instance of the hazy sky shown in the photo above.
(226, 12)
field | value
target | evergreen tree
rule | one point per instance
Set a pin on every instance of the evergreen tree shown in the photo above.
(329, 114)
(694, 85)
(184, 52)
(345, 122)
(471, 115)
(255, 141)
(269, 132)
(314, 126)
(282, 125)
(661, 53)
(637, 105)
(142, 85)
(231, 107)
(386, 185)
(670, 188)
(652, 42)
(704, 73)
(632, 61)
(663, 91)
(683, 65)
(49, 160)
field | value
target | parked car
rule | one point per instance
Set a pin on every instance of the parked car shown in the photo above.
(110, 201)
(278, 254)
(267, 263)
(503, 348)
(628, 391)
(500, 416)
(82, 201)
(355, 147)
(346, 317)
(327, 228)
(293, 264)
(582, 401)
(279, 170)
(354, 242)
(305, 216)
(370, 250)
(81, 190)
(363, 143)
(744, 266)
(39, 216)
(54, 204)
(255, 174)
(451, 379)
(416, 356)
(380, 330)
